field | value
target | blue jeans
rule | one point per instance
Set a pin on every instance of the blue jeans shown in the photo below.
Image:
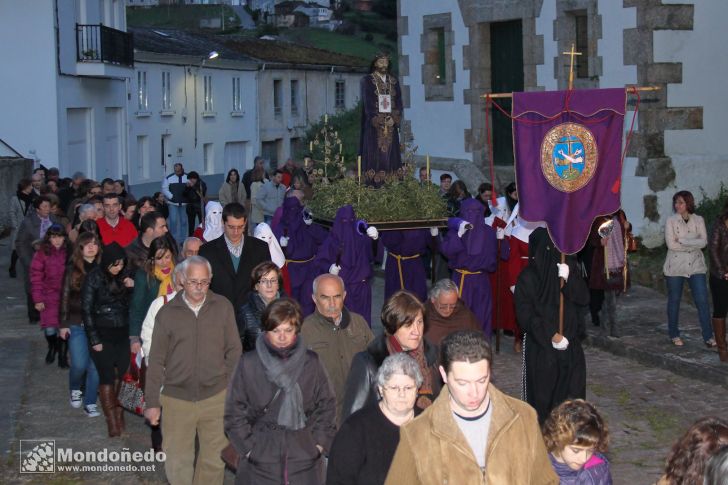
(699, 288)
(81, 363)
(178, 222)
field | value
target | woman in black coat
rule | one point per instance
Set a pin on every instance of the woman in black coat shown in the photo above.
(555, 365)
(265, 287)
(280, 410)
(105, 310)
(364, 446)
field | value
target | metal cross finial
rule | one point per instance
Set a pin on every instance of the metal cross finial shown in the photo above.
(571, 54)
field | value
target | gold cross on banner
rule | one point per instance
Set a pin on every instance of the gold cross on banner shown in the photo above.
(571, 54)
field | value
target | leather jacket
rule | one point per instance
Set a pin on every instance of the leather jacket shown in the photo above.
(104, 303)
(248, 320)
(718, 250)
(361, 386)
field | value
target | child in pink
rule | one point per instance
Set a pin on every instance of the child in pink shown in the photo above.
(576, 438)
(46, 279)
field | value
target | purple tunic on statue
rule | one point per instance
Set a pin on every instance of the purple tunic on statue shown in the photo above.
(471, 258)
(405, 270)
(303, 243)
(351, 250)
(379, 142)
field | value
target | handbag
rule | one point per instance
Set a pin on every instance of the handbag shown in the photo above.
(131, 390)
(228, 454)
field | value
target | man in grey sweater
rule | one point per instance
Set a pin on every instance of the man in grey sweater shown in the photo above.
(270, 196)
(195, 348)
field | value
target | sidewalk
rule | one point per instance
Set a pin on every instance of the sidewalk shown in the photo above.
(642, 315)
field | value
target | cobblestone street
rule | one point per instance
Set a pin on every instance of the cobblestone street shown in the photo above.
(646, 408)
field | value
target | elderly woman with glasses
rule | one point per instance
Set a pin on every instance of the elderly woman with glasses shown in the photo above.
(265, 286)
(280, 412)
(364, 446)
(404, 332)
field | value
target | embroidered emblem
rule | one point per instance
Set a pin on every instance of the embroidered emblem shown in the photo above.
(568, 156)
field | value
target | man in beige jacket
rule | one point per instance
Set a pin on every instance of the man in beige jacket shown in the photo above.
(473, 433)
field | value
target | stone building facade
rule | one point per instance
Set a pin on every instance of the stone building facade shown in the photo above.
(452, 52)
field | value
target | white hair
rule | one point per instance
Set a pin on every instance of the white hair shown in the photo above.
(325, 276)
(443, 286)
(198, 260)
(399, 363)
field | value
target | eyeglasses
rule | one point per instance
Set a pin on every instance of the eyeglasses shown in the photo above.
(400, 389)
(446, 307)
(198, 284)
(270, 282)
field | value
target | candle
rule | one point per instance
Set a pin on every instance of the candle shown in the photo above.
(358, 167)
(341, 148)
(310, 147)
(428, 168)
(326, 118)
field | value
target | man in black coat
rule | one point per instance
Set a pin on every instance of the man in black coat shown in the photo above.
(233, 256)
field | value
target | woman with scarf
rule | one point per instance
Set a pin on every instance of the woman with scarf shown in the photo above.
(151, 281)
(404, 331)
(212, 228)
(471, 248)
(554, 361)
(280, 410)
(300, 239)
(605, 290)
(347, 252)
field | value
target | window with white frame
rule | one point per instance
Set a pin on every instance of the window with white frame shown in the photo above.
(142, 101)
(340, 94)
(208, 156)
(237, 100)
(166, 91)
(294, 97)
(207, 81)
(277, 98)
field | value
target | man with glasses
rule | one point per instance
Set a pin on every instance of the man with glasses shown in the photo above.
(335, 333)
(233, 256)
(195, 348)
(445, 312)
(112, 227)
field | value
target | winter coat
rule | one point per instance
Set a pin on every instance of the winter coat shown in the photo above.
(46, 280)
(336, 346)
(718, 248)
(248, 320)
(270, 197)
(361, 388)
(146, 289)
(28, 233)
(104, 303)
(149, 320)
(71, 312)
(18, 211)
(275, 450)
(227, 193)
(685, 242)
(594, 472)
(432, 449)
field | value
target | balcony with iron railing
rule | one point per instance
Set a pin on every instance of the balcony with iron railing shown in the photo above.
(104, 46)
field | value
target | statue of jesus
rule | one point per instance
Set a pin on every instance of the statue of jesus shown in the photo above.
(381, 117)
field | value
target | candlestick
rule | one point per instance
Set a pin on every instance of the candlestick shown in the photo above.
(358, 167)
(428, 168)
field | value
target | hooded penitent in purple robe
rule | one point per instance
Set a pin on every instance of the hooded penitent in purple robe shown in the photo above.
(471, 258)
(303, 243)
(405, 270)
(352, 250)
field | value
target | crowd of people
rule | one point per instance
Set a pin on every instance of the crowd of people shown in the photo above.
(254, 325)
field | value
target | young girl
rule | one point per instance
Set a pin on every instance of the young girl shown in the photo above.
(46, 279)
(576, 437)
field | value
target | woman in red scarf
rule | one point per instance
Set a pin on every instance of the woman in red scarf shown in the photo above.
(404, 330)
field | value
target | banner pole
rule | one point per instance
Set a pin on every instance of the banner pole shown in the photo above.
(561, 300)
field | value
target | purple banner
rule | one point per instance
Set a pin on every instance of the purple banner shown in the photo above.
(568, 150)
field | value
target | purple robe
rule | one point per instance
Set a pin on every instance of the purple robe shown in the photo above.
(379, 144)
(405, 270)
(303, 243)
(351, 250)
(471, 258)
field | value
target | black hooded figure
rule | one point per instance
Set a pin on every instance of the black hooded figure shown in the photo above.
(551, 375)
